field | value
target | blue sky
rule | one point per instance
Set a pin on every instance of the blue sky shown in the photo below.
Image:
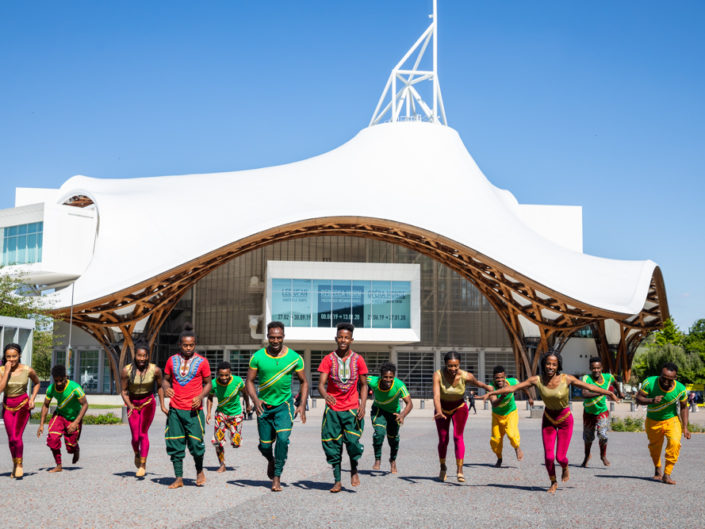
(598, 104)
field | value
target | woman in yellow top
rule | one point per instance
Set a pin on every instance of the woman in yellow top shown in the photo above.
(138, 379)
(14, 379)
(449, 404)
(557, 425)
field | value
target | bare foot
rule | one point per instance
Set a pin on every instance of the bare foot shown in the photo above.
(553, 488)
(498, 464)
(565, 474)
(520, 454)
(585, 461)
(200, 479)
(140, 472)
(177, 483)
(657, 474)
(461, 478)
(276, 484)
(57, 468)
(377, 465)
(76, 455)
(355, 479)
(221, 469)
(337, 487)
(393, 467)
(605, 461)
(442, 474)
(667, 479)
(19, 471)
(270, 469)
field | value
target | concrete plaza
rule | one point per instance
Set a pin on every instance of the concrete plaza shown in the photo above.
(101, 490)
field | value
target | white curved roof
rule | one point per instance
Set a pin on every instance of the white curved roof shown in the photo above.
(414, 173)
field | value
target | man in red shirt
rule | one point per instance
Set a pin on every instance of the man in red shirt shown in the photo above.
(343, 420)
(186, 382)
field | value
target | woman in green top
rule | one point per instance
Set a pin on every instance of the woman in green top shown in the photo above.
(557, 425)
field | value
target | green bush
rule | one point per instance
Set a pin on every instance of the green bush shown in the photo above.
(106, 418)
(628, 424)
(696, 428)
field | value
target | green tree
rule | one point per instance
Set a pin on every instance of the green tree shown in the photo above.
(694, 341)
(670, 334)
(650, 359)
(28, 307)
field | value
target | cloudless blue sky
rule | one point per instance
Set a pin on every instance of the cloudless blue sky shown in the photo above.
(598, 104)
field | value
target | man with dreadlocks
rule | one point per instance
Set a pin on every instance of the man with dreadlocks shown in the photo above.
(187, 381)
(138, 379)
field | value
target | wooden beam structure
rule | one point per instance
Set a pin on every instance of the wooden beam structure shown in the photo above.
(518, 300)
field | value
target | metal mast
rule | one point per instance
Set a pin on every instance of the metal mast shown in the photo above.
(406, 103)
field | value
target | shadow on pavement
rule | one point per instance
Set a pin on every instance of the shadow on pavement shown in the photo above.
(374, 472)
(317, 485)
(128, 474)
(169, 480)
(518, 487)
(643, 478)
(227, 468)
(253, 483)
(418, 479)
(70, 469)
(26, 474)
(489, 465)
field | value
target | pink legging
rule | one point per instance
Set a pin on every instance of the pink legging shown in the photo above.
(15, 421)
(459, 417)
(556, 425)
(140, 419)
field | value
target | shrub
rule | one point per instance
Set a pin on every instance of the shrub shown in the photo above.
(628, 424)
(106, 418)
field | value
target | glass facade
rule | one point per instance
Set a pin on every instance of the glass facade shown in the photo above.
(89, 365)
(328, 302)
(22, 244)
(454, 314)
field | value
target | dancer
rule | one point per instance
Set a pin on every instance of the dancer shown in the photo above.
(557, 425)
(71, 406)
(187, 381)
(17, 405)
(274, 403)
(596, 415)
(228, 389)
(344, 417)
(449, 404)
(386, 418)
(138, 379)
(663, 395)
(505, 417)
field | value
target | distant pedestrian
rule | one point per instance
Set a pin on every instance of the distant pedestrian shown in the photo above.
(691, 401)
(471, 402)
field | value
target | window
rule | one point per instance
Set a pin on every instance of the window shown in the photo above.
(240, 363)
(22, 244)
(415, 369)
(88, 370)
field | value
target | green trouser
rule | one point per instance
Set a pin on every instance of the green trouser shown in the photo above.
(274, 427)
(385, 424)
(338, 428)
(184, 427)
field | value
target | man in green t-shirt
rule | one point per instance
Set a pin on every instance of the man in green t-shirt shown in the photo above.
(505, 417)
(273, 403)
(386, 418)
(228, 389)
(71, 406)
(664, 395)
(596, 415)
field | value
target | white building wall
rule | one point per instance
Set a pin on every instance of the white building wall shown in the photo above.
(576, 354)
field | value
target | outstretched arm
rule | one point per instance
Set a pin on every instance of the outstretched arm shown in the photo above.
(469, 377)
(408, 406)
(511, 389)
(570, 379)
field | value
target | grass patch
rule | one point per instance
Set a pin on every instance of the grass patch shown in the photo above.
(105, 406)
(106, 418)
(695, 428)
(628, 424)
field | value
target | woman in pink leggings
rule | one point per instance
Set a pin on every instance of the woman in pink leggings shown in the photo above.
(138, 379)
(557, 425)
(16, 404)
(449, 404)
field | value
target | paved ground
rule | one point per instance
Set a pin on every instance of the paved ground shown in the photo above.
(101, 491)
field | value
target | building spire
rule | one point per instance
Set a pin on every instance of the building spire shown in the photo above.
(401, 100)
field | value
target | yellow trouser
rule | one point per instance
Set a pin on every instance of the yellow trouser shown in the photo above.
(504, 425)
(656, 431)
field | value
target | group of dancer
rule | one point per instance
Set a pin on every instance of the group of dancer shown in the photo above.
(344, 385)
